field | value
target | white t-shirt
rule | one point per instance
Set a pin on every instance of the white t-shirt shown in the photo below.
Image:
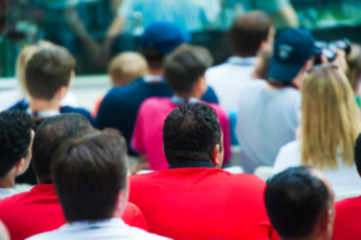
(106, 230)
(7, 192)
(229, 78)
(267, 119)
(343, 179)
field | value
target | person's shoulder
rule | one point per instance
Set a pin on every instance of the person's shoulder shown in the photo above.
(45, 235)
(288, 155)
(14, 201)
(144, 177)
(244, 178)
(348, 204)
(155, 103)
(290, 149)
(137, 233)
(20, 105)
(219, 110)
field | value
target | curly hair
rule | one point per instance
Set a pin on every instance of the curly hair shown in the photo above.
(190, 133)
(15, 137)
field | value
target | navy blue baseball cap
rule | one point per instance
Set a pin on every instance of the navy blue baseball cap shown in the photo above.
(292, 48)
(164, 37)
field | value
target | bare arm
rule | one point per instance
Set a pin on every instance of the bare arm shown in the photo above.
(77, 26)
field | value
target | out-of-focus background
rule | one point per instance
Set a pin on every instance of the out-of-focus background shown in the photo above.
(96, 30)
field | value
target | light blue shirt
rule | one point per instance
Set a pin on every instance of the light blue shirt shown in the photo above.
(112, 229)
(267, 119)
(187, 14)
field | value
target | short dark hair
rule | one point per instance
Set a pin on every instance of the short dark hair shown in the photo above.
(249, 31)
(49, 135)
(88, 172)
(357, 153)
(295, 200)
(190, 133)
(15, 137)
(185, 66)
(47, 71)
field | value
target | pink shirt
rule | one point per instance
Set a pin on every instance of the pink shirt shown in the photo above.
(148, 132)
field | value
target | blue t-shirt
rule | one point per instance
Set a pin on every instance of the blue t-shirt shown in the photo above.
(119, 107)
(24, 105)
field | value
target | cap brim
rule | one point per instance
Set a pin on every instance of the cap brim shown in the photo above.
(282, 72)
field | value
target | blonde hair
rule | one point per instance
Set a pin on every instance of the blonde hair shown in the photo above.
(126, 67)
(330, 118)
(23, 58)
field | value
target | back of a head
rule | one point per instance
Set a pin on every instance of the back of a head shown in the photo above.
(295, 201)
(49, 135)
(126, 67)
(184, 67)
(159, 39)
(292, 49)
(24, 56)
(328, 106)
(47, 71)
(15, 138)
(190, 132)
(249, 31)
(89, 172)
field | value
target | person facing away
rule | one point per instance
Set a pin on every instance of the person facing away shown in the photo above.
(123, 69)
(39, 210)
(330, 125)
(16, 139)
(250, 33)
(120, 106)
(299, 203)
(184, 73)
(92, 208)
(194, 198)
(268, 111)
(48, 75)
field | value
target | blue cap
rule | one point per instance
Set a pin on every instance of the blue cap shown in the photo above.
(292, 48)
(164, 37)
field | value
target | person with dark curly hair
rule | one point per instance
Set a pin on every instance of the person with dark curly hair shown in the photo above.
(16, 137)
(194, 198)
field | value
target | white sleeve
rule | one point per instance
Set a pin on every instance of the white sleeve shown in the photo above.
(286, 158)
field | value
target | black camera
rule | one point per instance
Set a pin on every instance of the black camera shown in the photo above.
(328, 50)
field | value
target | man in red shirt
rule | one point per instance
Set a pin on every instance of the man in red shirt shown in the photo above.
(348, 222)
(194, 198)
(39, 210)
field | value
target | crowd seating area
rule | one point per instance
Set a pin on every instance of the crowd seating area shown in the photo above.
(167, 145)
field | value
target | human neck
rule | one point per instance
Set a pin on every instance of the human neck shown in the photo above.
(188, 95)
(156, 71)
(44, 105)
(8, 181)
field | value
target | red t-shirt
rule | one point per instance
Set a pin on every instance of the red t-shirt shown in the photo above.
(347, 221)
(202, 203)
(148, 131)
(29, 213)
